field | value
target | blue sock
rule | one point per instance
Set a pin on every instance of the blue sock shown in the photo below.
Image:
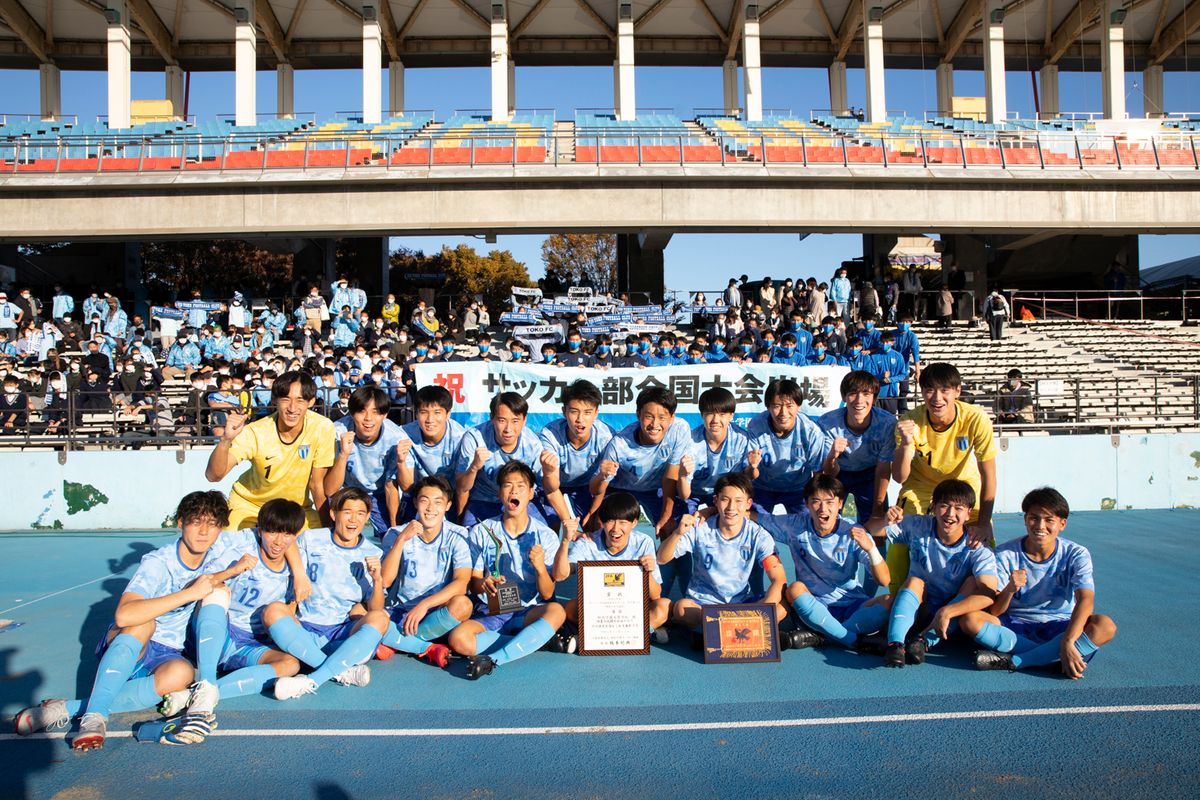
(816, 616)
(904, 611)
(867, 619)
(212, 626)
(402, 642)
(486, 640)
(931, 637)
(355, 650)
(291, 638)
(248, 680)
(135, 695)
(531, 637)
(116, 666)
(437, 623)
(996, 637)
(1048, 652)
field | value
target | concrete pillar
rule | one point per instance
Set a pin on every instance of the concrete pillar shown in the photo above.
(512, 87)
(173, 82)
(626, 97)
(729, 85)
(751, 63)
(873, 58)
(245, 55)
(50, 80)
(945, 89)
(1152, 86)
(372, 67)
(500, 61)
(396, 88)
(640, 267)
(119, 99)
(285, 91)
(1112, 59)
(995, 91)
(839, 94)
(1048, 80)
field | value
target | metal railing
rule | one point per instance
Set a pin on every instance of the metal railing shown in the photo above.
(1108, 304)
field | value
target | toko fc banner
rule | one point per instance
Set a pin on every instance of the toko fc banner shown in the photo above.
(473, 384)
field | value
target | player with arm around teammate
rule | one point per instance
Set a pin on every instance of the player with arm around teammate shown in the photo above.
(435, 438)
(370, 448)
(860, 443)
(578, 440)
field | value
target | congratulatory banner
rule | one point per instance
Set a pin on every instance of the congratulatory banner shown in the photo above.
(473, 384)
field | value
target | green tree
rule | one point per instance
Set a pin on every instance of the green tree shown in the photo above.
(223, 265)
(468, 274)
(590, 258)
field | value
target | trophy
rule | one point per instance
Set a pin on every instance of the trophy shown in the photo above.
(508, 596)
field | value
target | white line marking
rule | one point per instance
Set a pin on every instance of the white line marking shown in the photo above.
(669, 727)
(60, 591)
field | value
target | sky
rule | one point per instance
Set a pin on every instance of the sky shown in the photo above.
(693, 261)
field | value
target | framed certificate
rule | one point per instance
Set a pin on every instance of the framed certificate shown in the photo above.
(614, 608)
(740, 633)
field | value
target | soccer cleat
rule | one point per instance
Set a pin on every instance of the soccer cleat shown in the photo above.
(894, 655)
(297, 686)
(799, 639)
(660, 635)
(383, 652)
(561, 642)
(174, 703)
(92, 729)
(916, 650)
(870, 643)
(48, 714)
(990, 659)
(436, 654)
(204, 699)
(188, 729)
(480, 666)
(359, 675)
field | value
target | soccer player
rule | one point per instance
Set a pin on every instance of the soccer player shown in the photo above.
(617, 540)
(332, 634)
(860, 443)
(289, 453)
(578, 441)
(429, 565)
(524, 553)
(946, 579)
(791, 444)
(370, 448)
(141, 656)
(716, 448)
(888, 366)
(944, 438)
(435, 439)
(1044, 613)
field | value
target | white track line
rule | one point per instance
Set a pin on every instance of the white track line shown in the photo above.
(60, 591)
(669, 727)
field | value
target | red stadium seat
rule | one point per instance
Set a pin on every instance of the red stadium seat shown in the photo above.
(285, 158)
(411, 155)
(245, 159)
(705, 153)
(531, 154)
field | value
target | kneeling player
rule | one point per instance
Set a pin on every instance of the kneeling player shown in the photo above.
(523, 549)
(430, 559)
(1044, 613)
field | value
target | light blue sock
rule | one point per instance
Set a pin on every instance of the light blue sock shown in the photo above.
(212, 626)
(291, 638)
(247, 680)
(437, 623)
(996, 637)
(868, 619)
(487, 640)
(931, 637)
(816, 616)
(402, 642)
(904, 611)
(531, 637)
(355, 650)
(135, 695)
(1048, 652)
(115, 668)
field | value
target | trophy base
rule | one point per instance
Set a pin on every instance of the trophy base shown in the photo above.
(506, 600)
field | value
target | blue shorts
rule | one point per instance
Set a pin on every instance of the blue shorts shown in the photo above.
(511, 622)
(243, 649)
(847, 610)
(328, 636)
(578, 500)
(153, 656)
(765, 500)
(709, 600)
(378, 509)
(1035, 632)
(861, 484)
(652, 504)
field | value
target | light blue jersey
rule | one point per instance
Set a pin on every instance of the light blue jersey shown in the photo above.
(162, 573)
(788, 461)
(942, 567)
(721, 567)
(827, 565)
(529, 449)
(576, 466)
(514, 556)
(371, 466)
(252, 590)
(641, 466)
(426, 567)
(338, 574)
(437, 458)
(1050, 585)
(876, 445)
(710, 465)
(592, 548)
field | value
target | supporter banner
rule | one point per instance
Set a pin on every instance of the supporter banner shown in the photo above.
(559, 308)
(536, 331)
(513, 318)
(203, 305)
(162, 312)
(641, 310)
(579, 291)
(525, 297)
(710, 310)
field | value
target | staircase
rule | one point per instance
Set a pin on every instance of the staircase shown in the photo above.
(564, 139)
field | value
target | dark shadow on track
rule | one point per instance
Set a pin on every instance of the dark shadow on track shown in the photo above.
(23, 759)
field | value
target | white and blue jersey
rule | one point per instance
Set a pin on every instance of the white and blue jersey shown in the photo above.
(721, 567)
(592, 548)
(1050, 585)
(827, 565)
(162, 573)
(426, 567)
(528, 449)
(339, 576)
(788, 461)
(251, 591)
(942, 567)
(710, 464)
(876, 445)
(576, 466)
(371, 466)
(514, 555)
(641, 466)
(437, 458)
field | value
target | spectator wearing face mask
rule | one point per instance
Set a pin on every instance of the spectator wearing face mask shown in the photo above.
(909, 348)
(786, 352)
(183, 358)
(10, 315)
(93, 393)
(96, 359)
(446, 351)
(427, 324)
(274, 319)
(1015, 404)
(54, 411)
(391, 310)
(237, 312)
(839, 294)
(891, 370)
(486, 352)
(14, 408)
(855, 357)
(238, 352)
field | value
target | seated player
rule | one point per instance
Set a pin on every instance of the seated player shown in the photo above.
(435, 439)
(428, 568)
(791, 444)
(524, 554)
(716, 448)
(617, 540)
(946, 577)
(141, 656)
(342, 622)
(369, 448)
(1044, 612)
(860, 442)
(578, 441)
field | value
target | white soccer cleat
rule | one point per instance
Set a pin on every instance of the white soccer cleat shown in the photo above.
(92, 729)
(173, 703)
(45, 716)
(354, 676)
(293, 687)
(204, 698)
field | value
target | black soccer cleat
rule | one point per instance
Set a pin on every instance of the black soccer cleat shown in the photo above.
(799, 639)
(893, 656)
(916, 650)
(990, 659)
(561, 642)
(480, 666)
(870, 643)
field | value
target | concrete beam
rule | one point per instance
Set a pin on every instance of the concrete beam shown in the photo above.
(26, 28)
(944, 78)
(1152, 83)
(268, 23)
(839, 96)
(1078, 19)
(600, 21)
(387, 28)
(961, 27)
(994, 81)
(154, 28)
(848, 30)
(285, 91)
(1177, 32)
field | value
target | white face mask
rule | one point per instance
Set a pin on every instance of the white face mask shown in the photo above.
(199, 384)
(74, 368)
(58, 386)
(10, 392)
(402, 337)
(129, 367)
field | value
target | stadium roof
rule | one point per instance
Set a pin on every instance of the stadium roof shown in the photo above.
(1172, 272)
(324, 34)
